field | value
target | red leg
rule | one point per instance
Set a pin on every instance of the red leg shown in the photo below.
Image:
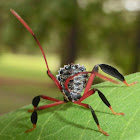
(68, 79)
(91, 78)
(54, 79)
(113, 81)
(106, 78)
(36, 101)
(49, 105)
(34, 114)
(49, 98)
(89, 83)
(94, 116)
(30, 30)
(111, 71)
(103, 98)
(92, 91)
(107, 69)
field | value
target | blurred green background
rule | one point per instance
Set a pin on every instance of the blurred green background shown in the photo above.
(87, 32)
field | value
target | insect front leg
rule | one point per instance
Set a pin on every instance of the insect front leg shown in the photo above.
(35, 103)
(54, 79)
(30, 30)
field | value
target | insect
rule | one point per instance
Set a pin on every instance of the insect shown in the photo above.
(71, 81)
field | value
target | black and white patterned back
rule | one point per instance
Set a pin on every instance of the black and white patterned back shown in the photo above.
(75, 85)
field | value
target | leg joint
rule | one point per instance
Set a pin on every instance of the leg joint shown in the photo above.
(96, 68)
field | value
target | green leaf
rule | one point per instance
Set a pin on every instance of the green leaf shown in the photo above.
(70, 121)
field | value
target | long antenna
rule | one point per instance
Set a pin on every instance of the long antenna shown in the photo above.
(30, 30)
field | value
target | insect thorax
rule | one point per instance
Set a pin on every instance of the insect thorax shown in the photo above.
(76, 84)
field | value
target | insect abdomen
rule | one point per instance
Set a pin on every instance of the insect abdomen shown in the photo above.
(77, 84)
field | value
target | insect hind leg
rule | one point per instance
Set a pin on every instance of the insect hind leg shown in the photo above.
(112, 72)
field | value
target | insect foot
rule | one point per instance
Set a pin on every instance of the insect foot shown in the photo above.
(33, 120)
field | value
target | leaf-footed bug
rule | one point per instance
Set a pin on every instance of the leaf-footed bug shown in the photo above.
(71, 81)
